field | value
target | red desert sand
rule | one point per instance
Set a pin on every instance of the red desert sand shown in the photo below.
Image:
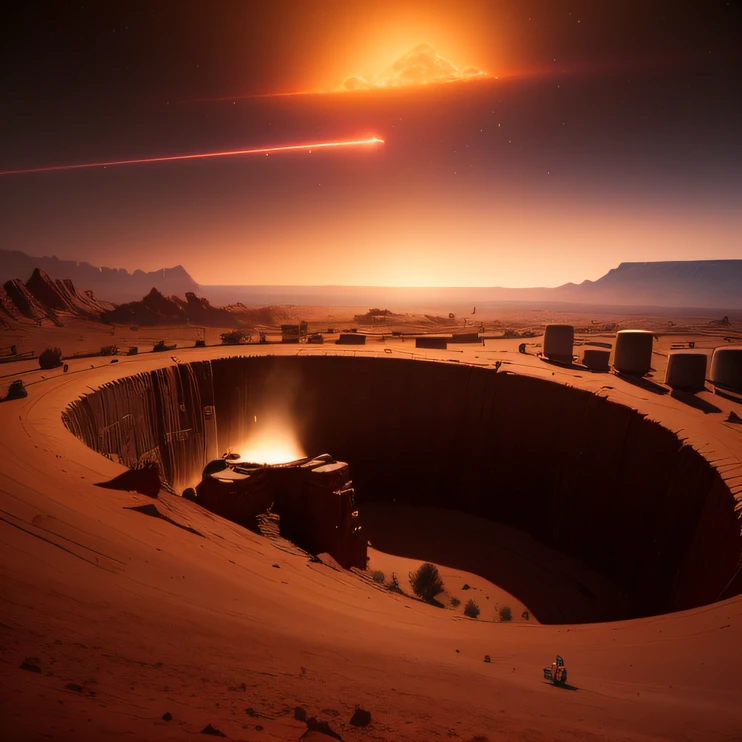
(151, 618)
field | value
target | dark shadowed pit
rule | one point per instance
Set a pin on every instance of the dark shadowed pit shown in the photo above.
(578, 474)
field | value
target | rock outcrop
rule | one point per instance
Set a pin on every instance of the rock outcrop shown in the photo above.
(46, 299)
(25, 304)
(157, 309)
(61, 295)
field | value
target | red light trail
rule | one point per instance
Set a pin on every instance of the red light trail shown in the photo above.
(204, 155)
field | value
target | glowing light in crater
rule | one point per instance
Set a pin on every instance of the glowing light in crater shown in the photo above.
(273, 443)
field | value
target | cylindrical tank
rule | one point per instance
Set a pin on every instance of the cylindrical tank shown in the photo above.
(686, 371)
(596, 359)
(726, 368)
(558, 342)
(633, 352)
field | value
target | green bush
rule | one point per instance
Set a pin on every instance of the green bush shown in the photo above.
(426, 582)
(378, 576)
(505, 614)
(471, 609)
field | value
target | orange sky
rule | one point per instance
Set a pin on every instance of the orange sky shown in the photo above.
(607, 132)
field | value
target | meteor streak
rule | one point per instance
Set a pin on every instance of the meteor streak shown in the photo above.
(203, 155)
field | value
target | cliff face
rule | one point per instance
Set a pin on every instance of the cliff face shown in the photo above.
(583, 475)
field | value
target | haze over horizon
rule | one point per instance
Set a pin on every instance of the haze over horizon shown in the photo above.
(566, 139)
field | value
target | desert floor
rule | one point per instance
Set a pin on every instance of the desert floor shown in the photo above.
(111, 619)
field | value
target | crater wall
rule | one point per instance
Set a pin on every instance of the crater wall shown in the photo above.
(581, 474)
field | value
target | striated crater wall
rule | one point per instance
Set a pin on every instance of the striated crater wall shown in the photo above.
(586, 476)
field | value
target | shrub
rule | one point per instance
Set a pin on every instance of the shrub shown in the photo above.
(455, 602)
(393, 584)
(426, 582)
(235, 337)
(525, 615)
(50, 358)
(16, 390)
(109, 350)
(505, 614)
(378, 576)
(471, 609)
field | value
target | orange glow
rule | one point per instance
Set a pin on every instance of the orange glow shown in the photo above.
(419, 66)
(275, 444)
(308, 147)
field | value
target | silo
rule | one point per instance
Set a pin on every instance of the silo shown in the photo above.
(633, 352)
(558, 342)
(686, 371)
(726, 369)
(596, 359)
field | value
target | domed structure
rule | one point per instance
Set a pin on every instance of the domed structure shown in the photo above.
(686, 371)
(633, 352)
(558, 342)
(726, 369)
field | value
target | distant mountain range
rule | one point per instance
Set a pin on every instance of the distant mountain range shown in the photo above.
(112, 284)
(691, 283)
(43, 300)
(707, 284)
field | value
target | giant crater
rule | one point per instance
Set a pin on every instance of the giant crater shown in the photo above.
(590, 478)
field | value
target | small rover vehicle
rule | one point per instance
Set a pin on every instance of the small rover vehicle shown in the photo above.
(557, 673)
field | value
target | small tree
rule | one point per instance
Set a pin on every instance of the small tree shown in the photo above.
(426, 582)
(471, 609)
(378, 576)
(506, 614)
(455, 602)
